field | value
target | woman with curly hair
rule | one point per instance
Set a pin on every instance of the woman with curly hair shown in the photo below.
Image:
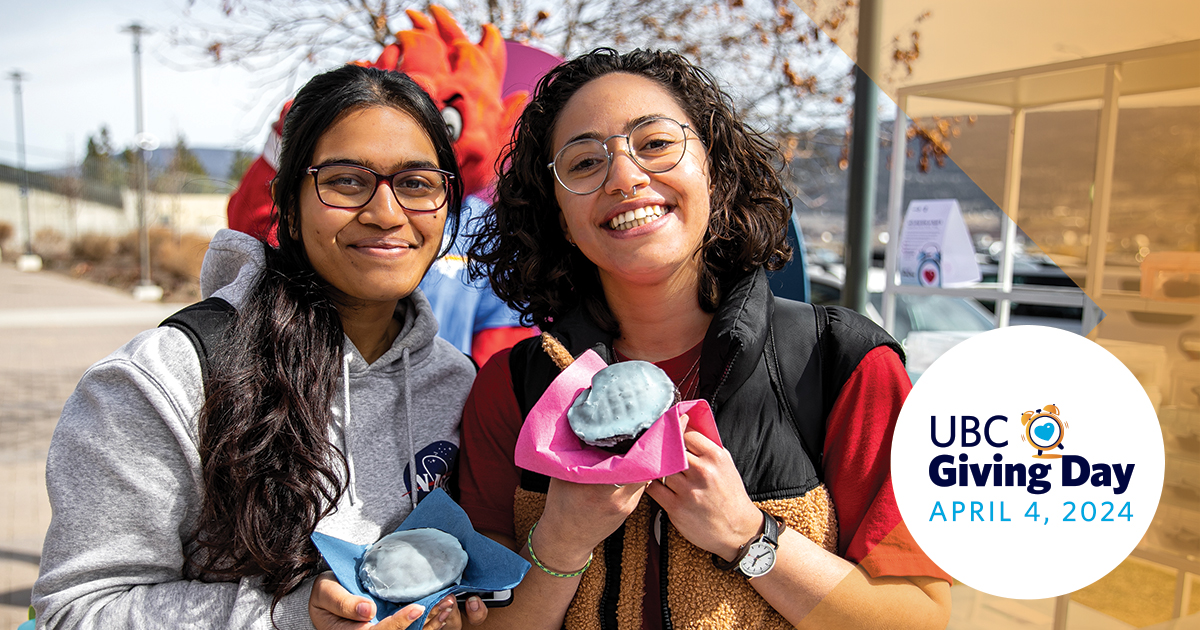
(636, 217)
(185, 491)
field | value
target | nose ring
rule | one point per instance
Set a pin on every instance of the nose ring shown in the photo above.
(632, 191)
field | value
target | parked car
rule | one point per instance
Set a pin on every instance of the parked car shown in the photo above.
(1035, 273)
(926, 325)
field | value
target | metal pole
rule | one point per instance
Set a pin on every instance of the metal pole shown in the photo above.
(864, 151)
(145, 288)
(895, 205)
(17, 77)
(1106, 143)
(1012, 203)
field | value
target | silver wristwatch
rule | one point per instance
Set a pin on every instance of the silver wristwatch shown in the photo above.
(757, 557)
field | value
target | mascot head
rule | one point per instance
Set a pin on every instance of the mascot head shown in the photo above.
(465, 81)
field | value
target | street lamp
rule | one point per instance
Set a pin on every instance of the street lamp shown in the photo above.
(28, 261)
(145, 290)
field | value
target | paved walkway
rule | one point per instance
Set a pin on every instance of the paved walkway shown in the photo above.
(51, 329)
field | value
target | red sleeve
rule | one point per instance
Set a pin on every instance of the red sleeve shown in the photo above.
(858, 446)
(491, 422)
(489, 341)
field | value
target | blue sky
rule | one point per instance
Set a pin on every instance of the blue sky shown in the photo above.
(79, 75)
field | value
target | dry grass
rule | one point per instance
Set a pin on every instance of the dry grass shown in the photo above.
(113, 260)
(94, 248)
(182, 255)
(1136, 592)
(51, 245)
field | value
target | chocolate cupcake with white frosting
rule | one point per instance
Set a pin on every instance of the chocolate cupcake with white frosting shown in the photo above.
(623, 401)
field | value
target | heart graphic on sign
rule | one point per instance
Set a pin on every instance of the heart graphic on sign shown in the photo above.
(930, 275)
(1044, 432)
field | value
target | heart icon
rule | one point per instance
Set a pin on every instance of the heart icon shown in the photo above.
(1044, 432)
(930, 275)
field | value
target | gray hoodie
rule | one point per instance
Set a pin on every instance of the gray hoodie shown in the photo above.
(124, 478)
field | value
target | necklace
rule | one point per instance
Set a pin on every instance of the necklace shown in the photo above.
(693, 371)
(691, 391)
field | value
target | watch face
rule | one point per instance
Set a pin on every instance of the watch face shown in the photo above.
(759, 560)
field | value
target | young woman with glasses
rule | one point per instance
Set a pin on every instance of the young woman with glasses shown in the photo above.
(186, 499)
(636, 217)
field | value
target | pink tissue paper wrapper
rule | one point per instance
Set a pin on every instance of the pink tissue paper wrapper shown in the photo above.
(547, 445)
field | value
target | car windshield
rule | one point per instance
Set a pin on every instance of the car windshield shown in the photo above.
(934, 313)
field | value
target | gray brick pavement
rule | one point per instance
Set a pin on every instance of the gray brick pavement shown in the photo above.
(51, 329)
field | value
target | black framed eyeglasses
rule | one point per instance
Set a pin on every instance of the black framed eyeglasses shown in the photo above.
(656, 145)
(350, 187)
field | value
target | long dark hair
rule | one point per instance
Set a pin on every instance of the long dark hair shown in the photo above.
(269, 471)
(520, 246)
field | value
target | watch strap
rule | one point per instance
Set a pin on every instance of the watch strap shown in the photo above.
(770, 529)
(770, 534)
(729, 565)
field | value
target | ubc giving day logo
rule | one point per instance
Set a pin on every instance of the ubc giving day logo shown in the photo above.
(1027, 462)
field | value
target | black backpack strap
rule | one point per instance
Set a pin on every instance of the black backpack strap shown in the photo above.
(801, 328)
(206, 324)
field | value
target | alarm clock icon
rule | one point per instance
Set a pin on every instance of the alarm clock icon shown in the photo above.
(1044, 430)
(929, 266)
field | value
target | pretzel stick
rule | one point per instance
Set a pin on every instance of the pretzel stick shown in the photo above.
(557, 352)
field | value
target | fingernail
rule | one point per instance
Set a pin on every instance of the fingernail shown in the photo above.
(416, 612)
(444, 616)
(363, 609)
(473, 604)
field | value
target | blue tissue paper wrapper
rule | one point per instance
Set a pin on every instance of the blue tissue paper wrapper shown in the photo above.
(490, 565)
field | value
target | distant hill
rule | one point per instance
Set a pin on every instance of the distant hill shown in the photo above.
(825, 188)
(216, 162)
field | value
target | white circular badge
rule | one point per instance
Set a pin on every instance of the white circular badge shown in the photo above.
(1027, 462)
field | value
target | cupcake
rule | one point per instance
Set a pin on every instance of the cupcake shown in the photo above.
(408, 565)
(623, 401)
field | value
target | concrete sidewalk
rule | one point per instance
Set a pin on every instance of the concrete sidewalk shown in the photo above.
(51, 329)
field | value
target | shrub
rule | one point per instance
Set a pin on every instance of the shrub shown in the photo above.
(51, 245)
(181, 256)
(94, 247)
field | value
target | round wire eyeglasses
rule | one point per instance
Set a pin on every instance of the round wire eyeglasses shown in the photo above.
(656, 145)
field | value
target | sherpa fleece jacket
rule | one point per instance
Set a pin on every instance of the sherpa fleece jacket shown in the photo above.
(124, 476)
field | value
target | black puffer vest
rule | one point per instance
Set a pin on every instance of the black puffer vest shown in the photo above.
(771, 370)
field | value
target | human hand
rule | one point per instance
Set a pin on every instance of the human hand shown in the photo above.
(476, 611)
(707, 502)
(332, 607)
(580, 516)
(445, 615)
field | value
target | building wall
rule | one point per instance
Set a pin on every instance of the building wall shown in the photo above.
(202, 214)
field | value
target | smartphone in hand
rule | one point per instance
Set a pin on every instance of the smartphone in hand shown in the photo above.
(491, 599)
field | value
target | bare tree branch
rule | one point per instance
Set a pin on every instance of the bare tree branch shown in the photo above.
(785, 74)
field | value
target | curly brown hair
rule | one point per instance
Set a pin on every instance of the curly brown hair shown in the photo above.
(520, 246)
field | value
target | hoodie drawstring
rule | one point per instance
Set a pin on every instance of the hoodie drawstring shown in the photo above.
(412, 450)
(346, 451)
